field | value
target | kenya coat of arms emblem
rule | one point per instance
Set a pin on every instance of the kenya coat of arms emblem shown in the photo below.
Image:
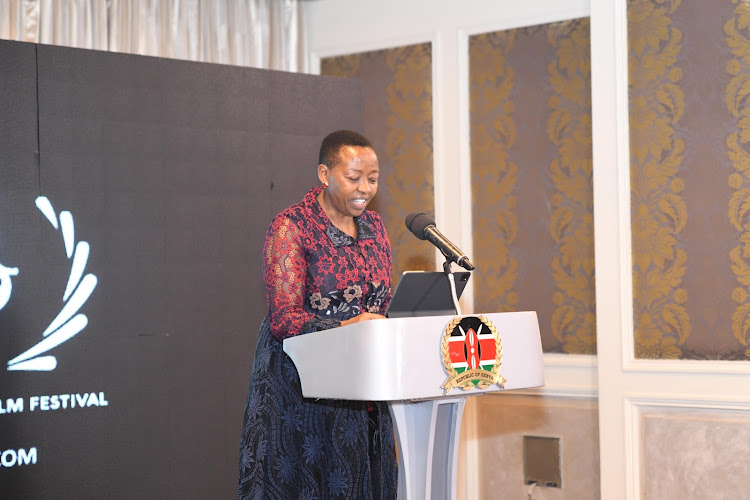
(472, 354)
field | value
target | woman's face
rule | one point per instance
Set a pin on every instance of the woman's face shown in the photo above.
(352, 181)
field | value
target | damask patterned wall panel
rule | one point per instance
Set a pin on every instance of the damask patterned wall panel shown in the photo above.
(532, 179)
(397, 92)
(689, 79)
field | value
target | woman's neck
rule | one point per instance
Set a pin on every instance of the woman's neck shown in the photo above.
(343, 222)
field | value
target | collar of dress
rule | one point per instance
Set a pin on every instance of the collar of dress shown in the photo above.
(338, 237)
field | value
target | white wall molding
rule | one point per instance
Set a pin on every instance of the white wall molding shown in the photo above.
(666, 386)
(567, 376)
(614, 308)
(572, 12)
(687, 402)
(341, 49)
(576, 376)
(697, 367)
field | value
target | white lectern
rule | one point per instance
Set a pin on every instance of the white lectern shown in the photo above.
(402, 361)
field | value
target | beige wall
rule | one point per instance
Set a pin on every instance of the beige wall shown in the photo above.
(498, 423)
(694, 454)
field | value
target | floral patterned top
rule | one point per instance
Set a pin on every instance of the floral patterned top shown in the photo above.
(294, 447)
(316, 275)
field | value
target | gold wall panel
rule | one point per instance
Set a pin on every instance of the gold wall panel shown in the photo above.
(738, 144)
(532, 179)
(397, 100)
(688, 68)
(572, 219)
(659, 213)
(494, 175)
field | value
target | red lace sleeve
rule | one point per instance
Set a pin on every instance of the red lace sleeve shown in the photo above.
(284, 271)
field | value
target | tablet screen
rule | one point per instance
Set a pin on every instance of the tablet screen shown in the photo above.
(425, 293)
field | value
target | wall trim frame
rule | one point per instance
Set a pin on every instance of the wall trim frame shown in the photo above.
(635, 403)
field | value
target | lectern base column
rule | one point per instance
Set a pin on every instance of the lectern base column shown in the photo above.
(428, 434)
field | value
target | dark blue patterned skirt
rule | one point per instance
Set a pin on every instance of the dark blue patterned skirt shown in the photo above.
(298, 448)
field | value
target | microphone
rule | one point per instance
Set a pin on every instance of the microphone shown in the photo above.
(424, 228)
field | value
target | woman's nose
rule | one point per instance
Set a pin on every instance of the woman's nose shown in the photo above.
(365, 186)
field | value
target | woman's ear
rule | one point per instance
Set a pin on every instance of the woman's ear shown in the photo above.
(323, 172)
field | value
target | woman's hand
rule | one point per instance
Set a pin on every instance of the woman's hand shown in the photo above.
(362, 317)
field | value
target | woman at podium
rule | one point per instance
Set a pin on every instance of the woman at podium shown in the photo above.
(326, 263)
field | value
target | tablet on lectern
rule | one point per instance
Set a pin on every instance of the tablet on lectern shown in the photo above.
(425, 293)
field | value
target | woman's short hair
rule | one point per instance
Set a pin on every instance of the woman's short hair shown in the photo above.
(333, 142)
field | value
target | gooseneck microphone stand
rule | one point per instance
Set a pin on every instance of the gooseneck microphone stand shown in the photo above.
(452, 280)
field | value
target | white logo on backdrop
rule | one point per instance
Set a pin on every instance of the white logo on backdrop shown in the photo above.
(67, 323)
(5, 284)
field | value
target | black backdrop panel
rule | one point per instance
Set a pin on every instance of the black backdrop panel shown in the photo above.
(19, 231)
(170, 171)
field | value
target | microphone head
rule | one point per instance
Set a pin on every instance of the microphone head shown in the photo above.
(417, 222)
